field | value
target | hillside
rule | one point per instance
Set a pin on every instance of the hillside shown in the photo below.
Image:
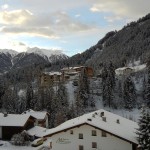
(125, 46)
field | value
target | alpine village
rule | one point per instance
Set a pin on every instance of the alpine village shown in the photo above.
(98, 99)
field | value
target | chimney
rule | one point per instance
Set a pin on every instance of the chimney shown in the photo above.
(118, 121)
(102, 114)
(93, 115)
(89, 119)
(104, 119)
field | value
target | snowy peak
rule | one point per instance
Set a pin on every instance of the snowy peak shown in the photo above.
(9, 52)
(45, 52)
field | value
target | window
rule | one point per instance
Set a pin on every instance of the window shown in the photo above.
(94, 133)
(80, 136)
(81, 147)
(104, 134)
(71, 131)
(94, 145)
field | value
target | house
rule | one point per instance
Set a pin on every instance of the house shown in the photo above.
(41, 117)
(48, 77)
(124, 71)
(97, 130)
(11, 124)
(74, 72)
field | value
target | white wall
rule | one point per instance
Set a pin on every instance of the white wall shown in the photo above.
(103, 143)
(0, 132)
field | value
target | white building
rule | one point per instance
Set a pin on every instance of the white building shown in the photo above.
(99, 130)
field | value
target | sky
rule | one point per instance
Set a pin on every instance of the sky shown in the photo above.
(71, 26)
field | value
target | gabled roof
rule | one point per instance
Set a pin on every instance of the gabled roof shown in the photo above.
(40, 115)
(14, 119)
(125, 130)
(53, 73)
(124, 68)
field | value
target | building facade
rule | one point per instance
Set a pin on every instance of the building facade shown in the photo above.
(87, 137)
(99, 130)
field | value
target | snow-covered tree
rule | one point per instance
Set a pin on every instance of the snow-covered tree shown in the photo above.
(143, 131)
(29, 95)
(129, 94)
(62, 104)
(147, 90)
(10, 100)
(108, 84)
(20, 139)
(84, 88)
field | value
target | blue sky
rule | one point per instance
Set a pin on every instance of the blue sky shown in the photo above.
(67, 25)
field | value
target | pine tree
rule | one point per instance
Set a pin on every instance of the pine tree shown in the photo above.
(147, 91)
(143, 131)
(62, 105)
(79, 103)
(84, 88)
(108, 84)
(129, 94)
(104, 85)
(29, 95)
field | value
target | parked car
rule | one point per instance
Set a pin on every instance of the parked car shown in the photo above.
(37, 142)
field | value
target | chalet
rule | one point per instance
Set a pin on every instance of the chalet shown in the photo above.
(41, 117)
(11, 124)
(124, 71)
(48, 77)
(97, 130)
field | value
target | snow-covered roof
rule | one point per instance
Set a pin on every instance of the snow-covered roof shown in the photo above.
(69, 68)
(13, 119)
(37, 131)
(125, 129)
(53, 73)
(40, 115)
(135, 68)
(139, 67)
(124, 68)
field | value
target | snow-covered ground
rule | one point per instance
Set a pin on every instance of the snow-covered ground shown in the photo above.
(71, 91)
(8, 146)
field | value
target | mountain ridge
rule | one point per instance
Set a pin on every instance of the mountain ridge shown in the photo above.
(12, 59)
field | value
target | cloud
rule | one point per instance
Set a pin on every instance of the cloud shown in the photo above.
(5, 6)
(122, 8)
(113, 18)
(12, 44)
(15, 17)
(50, 25)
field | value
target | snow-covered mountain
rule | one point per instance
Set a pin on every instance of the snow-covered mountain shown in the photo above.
(51, 55)
(10, 52)
(12, 59)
